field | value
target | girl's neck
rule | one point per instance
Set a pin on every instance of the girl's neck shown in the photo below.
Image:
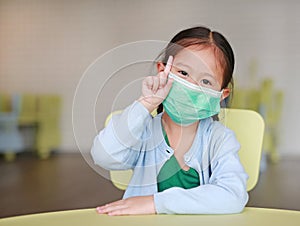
(180, 137)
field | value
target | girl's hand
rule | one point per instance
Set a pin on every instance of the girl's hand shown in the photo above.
(130, 206)
(156, 88)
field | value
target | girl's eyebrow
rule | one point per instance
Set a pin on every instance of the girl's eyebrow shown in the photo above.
(208, 74)
(182, 64)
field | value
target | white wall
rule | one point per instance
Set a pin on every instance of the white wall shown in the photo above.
(45, 46)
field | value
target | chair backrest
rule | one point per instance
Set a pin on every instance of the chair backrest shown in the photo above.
(248, 126)
(10, 104)
(28, 112)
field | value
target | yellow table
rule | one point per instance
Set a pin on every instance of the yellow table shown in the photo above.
(89, 217)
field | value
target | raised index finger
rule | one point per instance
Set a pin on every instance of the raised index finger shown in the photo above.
(168, 66)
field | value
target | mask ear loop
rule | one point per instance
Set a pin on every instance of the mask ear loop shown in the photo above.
(225, 103)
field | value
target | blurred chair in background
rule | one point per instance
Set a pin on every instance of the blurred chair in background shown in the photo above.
(268, 102)
(28, 111)
(270, 107)
(48, 135)
(11, 141)
(29, 122)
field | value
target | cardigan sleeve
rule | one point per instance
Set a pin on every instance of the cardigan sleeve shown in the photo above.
(118, 145)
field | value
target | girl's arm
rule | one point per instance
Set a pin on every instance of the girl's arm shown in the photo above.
(118, 145)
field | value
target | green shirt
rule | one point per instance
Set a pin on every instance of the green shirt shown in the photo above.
(172, 175)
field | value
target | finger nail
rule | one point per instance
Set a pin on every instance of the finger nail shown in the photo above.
(99, 210)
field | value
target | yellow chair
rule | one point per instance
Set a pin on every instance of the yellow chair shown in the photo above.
(11, 141)
(271, 101)
(246, 99)
(248, 126)
(28, 110)
(48, 135)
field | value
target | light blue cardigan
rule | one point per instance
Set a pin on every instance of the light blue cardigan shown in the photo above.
(134, 140)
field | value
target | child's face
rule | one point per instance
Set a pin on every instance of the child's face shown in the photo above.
(199, 67)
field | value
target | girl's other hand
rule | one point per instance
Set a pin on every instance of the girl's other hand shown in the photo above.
(129, 206)
(156, 88)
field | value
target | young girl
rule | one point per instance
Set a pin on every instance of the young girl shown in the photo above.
(183, 161)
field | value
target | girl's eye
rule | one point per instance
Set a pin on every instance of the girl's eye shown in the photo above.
(184, 73)
(206, 82)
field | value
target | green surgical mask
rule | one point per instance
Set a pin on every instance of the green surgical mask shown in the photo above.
(187, 103)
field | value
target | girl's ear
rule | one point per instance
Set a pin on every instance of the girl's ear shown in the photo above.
(160, 67)
(225, 94)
